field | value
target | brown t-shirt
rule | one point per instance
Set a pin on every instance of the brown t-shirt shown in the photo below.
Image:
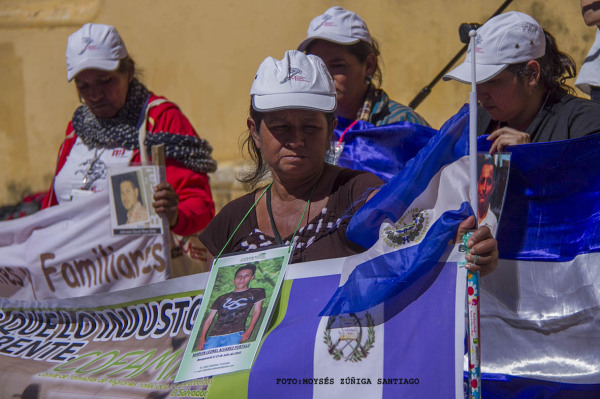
(324, 237)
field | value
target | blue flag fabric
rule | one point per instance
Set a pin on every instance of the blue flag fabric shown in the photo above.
(383, 150)
(553, 200)
(540, 309)
(399, 351)
(436, 180)
(449, 145)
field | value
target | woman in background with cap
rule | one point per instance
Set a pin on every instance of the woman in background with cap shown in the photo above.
(342, 40)
(308, 202)
(520, 76)
(104, 132)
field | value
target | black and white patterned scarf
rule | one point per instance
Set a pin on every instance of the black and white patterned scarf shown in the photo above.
(121, 132)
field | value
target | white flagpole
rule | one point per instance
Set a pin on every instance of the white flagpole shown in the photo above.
(473, 277)
(473, 130)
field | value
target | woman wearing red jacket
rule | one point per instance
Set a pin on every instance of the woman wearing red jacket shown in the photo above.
(104, 133)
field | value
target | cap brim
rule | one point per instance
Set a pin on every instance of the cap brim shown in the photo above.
(308, 101)
(103, 65)
(483, 73)
(346, 41)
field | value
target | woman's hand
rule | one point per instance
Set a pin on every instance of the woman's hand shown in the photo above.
(506, 136)
(166, 201)
(483, 247)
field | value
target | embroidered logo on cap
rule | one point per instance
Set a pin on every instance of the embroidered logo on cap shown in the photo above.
(87, 41)
(478, 41)
(326, 17)
(294, 74)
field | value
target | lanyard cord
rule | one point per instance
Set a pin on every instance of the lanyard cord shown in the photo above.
(341, 140)
(276, 234)
(244, 218)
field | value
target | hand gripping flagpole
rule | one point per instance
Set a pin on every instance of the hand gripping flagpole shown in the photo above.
(473, 277)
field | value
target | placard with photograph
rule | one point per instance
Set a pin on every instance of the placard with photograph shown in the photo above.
(492, 179)
(238, 302)
(131, 197)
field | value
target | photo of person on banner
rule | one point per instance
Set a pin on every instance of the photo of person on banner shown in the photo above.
(130, 208)
(231, 311)
(485, 188)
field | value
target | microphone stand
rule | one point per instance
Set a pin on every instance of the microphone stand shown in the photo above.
(464, 33)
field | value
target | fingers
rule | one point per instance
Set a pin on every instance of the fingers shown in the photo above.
(166, 201)
(505, 137)
(163, 187)
(463, 227)
(479, 235)
(502, 142)
(165, 196)
(483, 251)
(496, 147)
(483, 270)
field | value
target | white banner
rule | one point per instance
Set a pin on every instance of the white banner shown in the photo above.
(68, 251)
(130, 344)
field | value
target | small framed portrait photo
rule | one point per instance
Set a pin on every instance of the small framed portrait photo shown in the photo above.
(131, 192)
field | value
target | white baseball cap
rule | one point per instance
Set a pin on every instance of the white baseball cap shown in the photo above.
(508, 38)
(94, 46)
(298, 81)
(339, 26)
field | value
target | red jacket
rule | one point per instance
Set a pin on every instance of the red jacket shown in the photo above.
(196, 207)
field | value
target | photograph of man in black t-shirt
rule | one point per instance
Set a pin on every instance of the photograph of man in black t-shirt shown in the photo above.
(233, 310)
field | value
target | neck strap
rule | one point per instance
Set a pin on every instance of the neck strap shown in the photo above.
(276, 234)
(278, 238)
(242, 221)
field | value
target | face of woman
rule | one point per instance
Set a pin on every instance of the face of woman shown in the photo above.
(104, 92)
(349, 75)
(293, 142)
(506, 98)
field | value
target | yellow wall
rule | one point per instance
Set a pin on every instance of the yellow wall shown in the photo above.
(203, 56)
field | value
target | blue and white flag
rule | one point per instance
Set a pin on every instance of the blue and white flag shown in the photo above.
(400, 349)
(383, 150)
(540, 309)
(408, 224)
